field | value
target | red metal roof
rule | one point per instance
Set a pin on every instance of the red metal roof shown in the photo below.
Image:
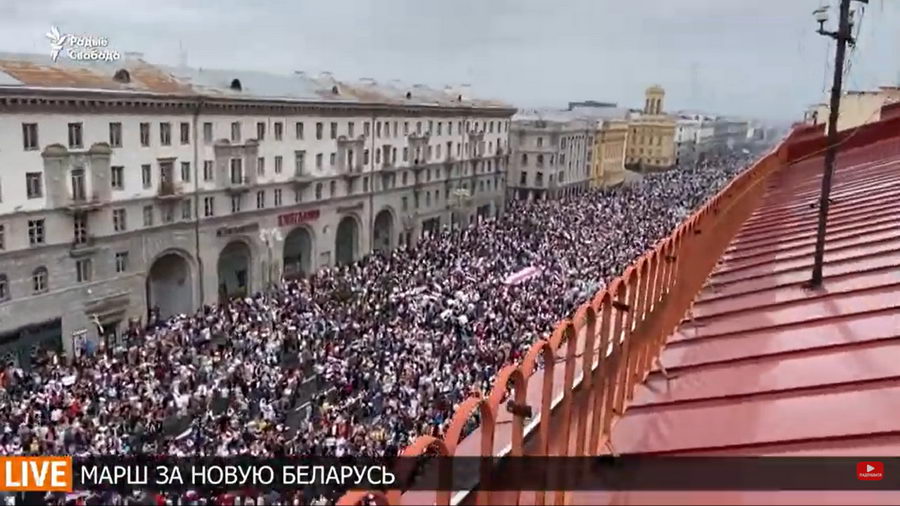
(771, 368)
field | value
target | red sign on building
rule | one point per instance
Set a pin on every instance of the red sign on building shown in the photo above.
(298, 217)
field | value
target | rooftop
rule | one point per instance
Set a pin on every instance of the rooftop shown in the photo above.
(32, 71)
(764, 356)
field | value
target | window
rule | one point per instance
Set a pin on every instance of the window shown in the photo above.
(405, 154)
(207, 170)
(319, 129)
(428, 153)
(298, 130)
(366, 184)
(209, 206)
(260, 130)
(331, 159)
(121, 261)
(299, 163)
(540, 160)
(440, 128)
(165, 134)
(377, 156)
(279, 130)
(115, 135)
(39, 280)
(29, 136)
(449, 128)
(75, 138)
(83, 270)
(403, 179)
(186, 209)
(350, 128)
(2, 237)
(404, 203)
(235, 203)
(378, 129)
(430, 126)
(539, 178)
(396, 130)
(261, 166)
(319, 160)
(33, 185)
(366, 129)
(186, 172)
(406, 128)
(332, 189)
(185, 131)
(334, 129)
(523, 178)
(80, 228)
(393, 155)
(145, 134)
(366, 156)
(540, 142)
(428, 199)
(318, 191)
(36, 232)
(207, 132)
(119, 221)
(117, 177)
(279, 163)
(4, 287)
(148, 216)
(298, 195)
(237, 171)
(418, 128)
(261, 199)
(236, 131)
(168, 214)
(524, 159)
(277, 193)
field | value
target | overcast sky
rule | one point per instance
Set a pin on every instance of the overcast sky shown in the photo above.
(750, 57)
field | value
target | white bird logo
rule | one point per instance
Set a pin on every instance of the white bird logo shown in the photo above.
(57, 41)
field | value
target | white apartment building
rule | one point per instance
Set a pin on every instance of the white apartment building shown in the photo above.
(551, 154)
(128, 187)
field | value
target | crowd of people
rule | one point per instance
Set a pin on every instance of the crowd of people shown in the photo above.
(396, 340)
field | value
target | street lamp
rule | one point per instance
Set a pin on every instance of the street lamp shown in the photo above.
(843, 36)
(270, 237)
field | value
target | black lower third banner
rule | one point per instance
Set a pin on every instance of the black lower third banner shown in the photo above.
(512, 473)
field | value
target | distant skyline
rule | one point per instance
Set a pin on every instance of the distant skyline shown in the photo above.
(759, 59)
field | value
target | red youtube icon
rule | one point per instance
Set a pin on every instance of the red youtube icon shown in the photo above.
(869, 471)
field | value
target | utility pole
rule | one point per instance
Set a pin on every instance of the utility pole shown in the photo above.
(843, 36)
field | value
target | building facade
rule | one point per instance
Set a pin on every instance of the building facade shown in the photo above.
(610, 145)
(651, 141)
(857, 107)
(137, 187)
(551, 155)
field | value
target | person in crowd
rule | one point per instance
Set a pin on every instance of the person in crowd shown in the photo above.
(395, 342)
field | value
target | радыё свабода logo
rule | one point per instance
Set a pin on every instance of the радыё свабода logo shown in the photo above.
(80, 47)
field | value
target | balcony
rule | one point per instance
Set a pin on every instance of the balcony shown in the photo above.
(168, 190)
(238, 185)
(81, 203)
(82, 247)
(302, 179)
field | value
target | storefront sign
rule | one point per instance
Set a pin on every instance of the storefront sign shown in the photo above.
(243, 229)
(355, 207)
(298, 217)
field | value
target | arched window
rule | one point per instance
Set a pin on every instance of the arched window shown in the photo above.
(40, 280)
(236, 85)
(4, 288)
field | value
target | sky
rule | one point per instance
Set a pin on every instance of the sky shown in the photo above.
(755, 58)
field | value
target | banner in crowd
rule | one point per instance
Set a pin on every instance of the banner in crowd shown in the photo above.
(522, 276)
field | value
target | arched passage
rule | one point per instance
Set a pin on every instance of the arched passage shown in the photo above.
(384, 231)
(345, 241)
(169, 286)
(234, 270)
(298, 252)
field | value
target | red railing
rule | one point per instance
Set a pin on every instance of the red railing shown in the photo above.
(617, 338)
